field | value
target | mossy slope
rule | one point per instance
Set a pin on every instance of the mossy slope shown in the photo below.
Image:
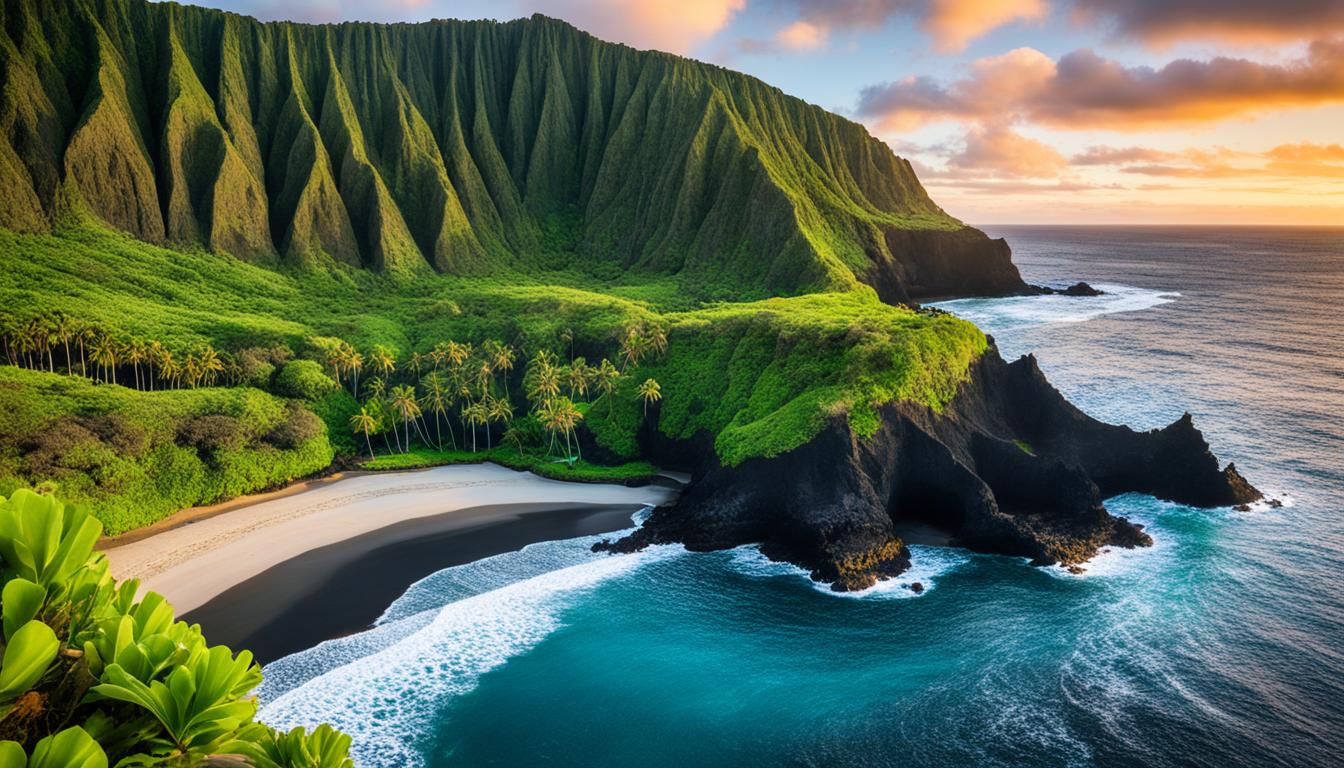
(461, 146)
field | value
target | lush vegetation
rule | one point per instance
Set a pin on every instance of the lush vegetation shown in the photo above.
(759, 377)
(138, 456)
(457, 147)
(92, 676)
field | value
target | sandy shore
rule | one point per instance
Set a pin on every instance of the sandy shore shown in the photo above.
(193, 563)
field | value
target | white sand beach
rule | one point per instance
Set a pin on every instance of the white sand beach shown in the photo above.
(192, 563)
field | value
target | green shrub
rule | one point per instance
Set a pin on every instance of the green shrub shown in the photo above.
(142, 688)
(298, 426)
(305, 380)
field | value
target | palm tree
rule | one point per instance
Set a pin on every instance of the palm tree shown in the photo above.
(658, 340)
(549, 416)
(577, 378)
(374, 388)
(42, 337)
(191, 371)
(135, 353)
(364, 422)
(86, 334)
(476, 414)
(382, 360)
(66, 327)
(502, 357)
(499, 410)
(105, 352)
(169, 369)
(23, 344)
(437, 400)
(485, 376)
(354, 362)
(544, 380)
(567, 416)
(457, 353)
(405, 404)
(417, 360)
(606, 377)
(650, 392)
(210, 365)
(633, 346)
(438, 354)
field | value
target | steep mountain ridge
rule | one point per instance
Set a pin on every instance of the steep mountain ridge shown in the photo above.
(462, 146)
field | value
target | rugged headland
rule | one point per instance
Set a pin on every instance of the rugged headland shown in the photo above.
(1009, 467)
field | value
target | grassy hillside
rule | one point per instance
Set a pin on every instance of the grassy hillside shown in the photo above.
(462, 147)
(760, 377)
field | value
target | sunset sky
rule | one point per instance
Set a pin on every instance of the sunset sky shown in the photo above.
(1021, 111)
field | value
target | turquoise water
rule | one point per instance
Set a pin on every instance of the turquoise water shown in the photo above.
(1221, 645)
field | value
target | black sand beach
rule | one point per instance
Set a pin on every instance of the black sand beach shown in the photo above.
(342, 588)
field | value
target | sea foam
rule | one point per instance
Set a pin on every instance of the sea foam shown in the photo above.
(399, 676)
(1014, 312)
(927, 565)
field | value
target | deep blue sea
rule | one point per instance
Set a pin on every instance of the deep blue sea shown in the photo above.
(1222, 645)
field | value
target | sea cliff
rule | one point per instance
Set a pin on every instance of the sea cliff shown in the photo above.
(1008, 466)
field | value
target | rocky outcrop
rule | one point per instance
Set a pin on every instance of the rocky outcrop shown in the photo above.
(1009, 467)
(1077, 289)
(930, 265)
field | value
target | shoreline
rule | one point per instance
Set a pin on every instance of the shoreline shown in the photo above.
(199, 554)
(343, 588)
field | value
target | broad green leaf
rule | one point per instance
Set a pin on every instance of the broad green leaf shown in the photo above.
(27, 657)
(22, 600)
(11, 755)
(71, 748)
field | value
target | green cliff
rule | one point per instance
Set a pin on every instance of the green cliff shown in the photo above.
(465, 147)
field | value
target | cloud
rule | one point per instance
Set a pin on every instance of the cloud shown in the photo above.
(1084, 90)
(1161, 22)
(951, 23)
(999, 152)
(1120, 155)
(801, 36)
(1286, 161)
(955, 23)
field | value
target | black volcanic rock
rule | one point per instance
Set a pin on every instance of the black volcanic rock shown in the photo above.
(1009, 467)
(1077, 289)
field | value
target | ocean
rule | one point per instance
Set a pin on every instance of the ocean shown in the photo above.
(1221, 645)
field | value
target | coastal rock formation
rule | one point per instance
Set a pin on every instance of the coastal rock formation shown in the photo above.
(1009, 467)
(1077, 289)
(461, 146)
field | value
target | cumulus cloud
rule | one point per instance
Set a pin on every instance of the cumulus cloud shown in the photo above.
(1253, 21)
(999, 152)
(955, 23)
(801, 36)
(1085, 90)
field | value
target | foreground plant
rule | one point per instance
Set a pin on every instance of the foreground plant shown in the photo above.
(90, 675)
